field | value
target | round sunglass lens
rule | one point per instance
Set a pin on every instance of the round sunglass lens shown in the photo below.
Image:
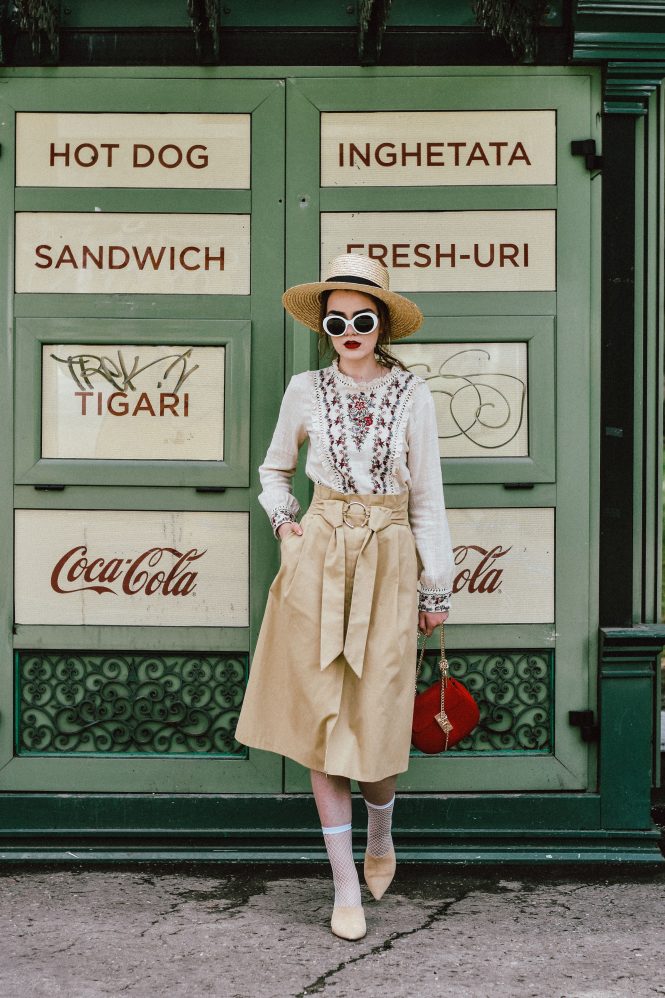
(334, 325)
(364, 323)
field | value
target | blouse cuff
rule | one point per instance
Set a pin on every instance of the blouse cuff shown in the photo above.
(280, 515)
(432, 600)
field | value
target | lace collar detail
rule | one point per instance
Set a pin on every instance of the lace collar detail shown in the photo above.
(362, 386)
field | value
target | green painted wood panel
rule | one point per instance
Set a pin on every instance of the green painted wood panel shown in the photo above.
(561, 424)
(233, 335)
(293, 199)
(245, 325)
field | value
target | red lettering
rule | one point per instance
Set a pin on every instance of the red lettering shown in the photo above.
(84, 396)
(39, 252)
(123, 252)
(519, 153)
(122, 407)
(497, 146)
(508, 252)
(170, 406)
(434, 150)
(75, 570)
(143, 405)
(476, 256)
(179, 580)
(484, 578)
(477, 153)
(149, 254)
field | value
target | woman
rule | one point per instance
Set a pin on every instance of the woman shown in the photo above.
(332, 678)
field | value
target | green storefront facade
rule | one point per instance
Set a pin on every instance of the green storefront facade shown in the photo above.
(153, 210)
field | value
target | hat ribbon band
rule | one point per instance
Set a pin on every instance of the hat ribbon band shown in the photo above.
(345, 279)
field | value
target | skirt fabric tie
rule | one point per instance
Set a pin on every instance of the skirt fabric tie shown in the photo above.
(338, 513)
(332, 677)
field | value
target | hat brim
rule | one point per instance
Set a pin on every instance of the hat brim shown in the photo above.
(303, 302)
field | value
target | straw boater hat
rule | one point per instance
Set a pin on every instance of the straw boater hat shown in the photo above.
(353, 272)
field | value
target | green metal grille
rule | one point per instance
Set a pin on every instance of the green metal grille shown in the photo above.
(123, 702)
(514, 692)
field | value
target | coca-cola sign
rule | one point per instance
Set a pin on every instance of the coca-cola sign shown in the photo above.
(504, 565)
(480, 573)
(131, 567)
(77, 572)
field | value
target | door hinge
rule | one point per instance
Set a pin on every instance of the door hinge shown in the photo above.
(587, 148)
(585, 721)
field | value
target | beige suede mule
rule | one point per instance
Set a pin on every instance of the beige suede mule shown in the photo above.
(348, 922)
(379, 872)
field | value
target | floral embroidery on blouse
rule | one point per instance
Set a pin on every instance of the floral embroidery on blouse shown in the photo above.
(379, 411)
(279, 516)
(360, 410)
(334, 434)
(434, 600)
(388, 427)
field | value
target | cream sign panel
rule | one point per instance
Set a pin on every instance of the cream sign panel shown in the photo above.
(438, 148)
(133, 150)
(504, 566)
(480, 393)
(450, 250)
(160, 403)
(115, 253)
(148, 568)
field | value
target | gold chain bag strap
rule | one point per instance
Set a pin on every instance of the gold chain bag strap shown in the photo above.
(445, 712)
(441, 718)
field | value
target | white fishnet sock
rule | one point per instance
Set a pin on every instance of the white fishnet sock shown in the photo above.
(340, 853)
(379, 823)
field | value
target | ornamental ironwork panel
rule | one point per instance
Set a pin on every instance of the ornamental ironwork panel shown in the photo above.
(119, 702)
(513, 690)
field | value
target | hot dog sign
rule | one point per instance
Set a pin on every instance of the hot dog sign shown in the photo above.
(133, 150)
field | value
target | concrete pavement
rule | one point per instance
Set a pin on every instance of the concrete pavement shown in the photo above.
(233, 932)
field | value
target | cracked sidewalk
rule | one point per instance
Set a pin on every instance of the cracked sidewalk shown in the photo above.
(263, 932)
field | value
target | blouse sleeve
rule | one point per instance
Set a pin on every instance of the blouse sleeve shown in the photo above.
(278, 468)
(427, 509)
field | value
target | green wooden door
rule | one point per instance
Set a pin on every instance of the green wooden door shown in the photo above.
(142, 559)
(142, 337)
(489, 223)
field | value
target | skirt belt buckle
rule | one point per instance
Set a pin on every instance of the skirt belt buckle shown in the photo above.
(346, 507)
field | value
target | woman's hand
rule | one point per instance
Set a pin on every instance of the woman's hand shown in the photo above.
(288, 528)
(428, 621)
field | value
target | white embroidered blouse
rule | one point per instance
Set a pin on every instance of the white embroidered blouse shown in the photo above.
(378, 436)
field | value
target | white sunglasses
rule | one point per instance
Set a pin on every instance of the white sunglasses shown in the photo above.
(363, 324)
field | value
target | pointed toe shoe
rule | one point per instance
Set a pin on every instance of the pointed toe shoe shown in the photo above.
(348, 922)
(379, 872)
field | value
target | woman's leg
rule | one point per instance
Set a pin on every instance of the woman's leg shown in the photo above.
(333, 797)
(380, 801)
(380, 792)
(333, 802)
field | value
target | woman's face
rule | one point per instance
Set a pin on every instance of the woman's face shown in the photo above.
(347, 304)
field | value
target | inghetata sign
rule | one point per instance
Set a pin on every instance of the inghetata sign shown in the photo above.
(131, 403)
(450, 250)
(437, 148)
(133, 150)
(112, 253)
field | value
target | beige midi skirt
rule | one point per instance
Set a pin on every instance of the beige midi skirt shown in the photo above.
(331, 682)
